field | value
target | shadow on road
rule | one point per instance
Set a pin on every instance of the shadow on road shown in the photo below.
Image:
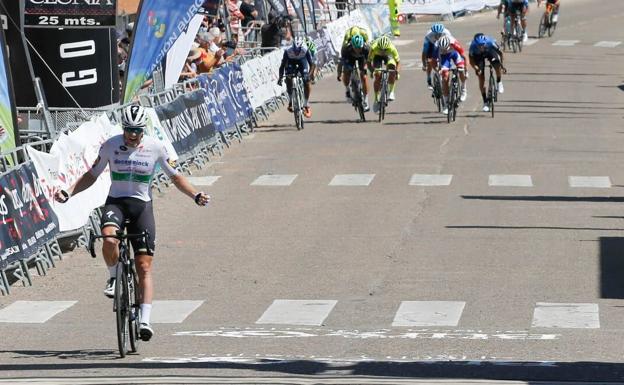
(544, 198)
(473, 370)
(533, 228)
(612, 267)
(88, 354)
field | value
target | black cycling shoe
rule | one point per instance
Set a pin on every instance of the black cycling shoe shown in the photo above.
(145, 332)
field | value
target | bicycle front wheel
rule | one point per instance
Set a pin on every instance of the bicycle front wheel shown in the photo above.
(542, 27)
(122, 309)
(135, 314)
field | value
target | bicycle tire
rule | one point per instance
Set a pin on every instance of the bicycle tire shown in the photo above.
(456, 98)
(121, 306)
(542, 27)
(297, 105)
(519, 36)
(135, 315)
(450, 103)
(382, 98)
(551, 29)
(437, 89)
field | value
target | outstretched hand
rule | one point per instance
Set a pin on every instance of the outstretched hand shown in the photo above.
(61, 196)
(202, 199)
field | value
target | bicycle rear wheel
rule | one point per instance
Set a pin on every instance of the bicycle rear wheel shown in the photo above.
(551, 26)
(297, 107)
(437, 91)
(382, 99)
(122, 310)
(450, 103)
(455, 98)
(542, 27)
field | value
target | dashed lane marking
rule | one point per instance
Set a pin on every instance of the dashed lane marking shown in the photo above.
(203, 180)
(430, 180)
(607, 44)
(510, 181)
(590, 181)
(33, 311)
(297, 312)
(173, 311)
(429, 313)
(566, 315)
(352, 180)
(274, 180)
(566, 43)
(530, 42)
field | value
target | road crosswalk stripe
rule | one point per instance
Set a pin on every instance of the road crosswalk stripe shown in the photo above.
(297, 312)
(400, 43)
(607, 44)
(352, 180)
(590, 181)
(33, 311)
(172, 311)
(565, 43)
(430, 180)
(510, 181)
(274, 180)
(530, 42)
(203, 180)
(566, 315)
(428, 313)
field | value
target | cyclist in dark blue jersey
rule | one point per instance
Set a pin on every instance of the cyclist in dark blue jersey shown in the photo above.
(484, 48)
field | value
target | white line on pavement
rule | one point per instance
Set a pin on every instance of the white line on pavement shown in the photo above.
(173, 311)
(590, 181)
(203, 180)
(297, 312)
(429, 313)
(607, 44)
(352, 180)
(274, 180)
(33, 311)
(566, 315)
(566, 43)
(430, 180)
(510, 181)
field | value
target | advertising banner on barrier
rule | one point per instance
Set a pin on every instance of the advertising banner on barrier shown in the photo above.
(186, 121)
(212, 103)
(260, 78)
(336, 29)
(435, 7)
(64, 13)
(378, 18)
(176, 57)
(324, 52)
(8, 122)
(158, 25)
(238, 94)
(70, 157)
(26, 218)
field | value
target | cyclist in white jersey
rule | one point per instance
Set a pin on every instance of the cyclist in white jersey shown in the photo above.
(132, 158)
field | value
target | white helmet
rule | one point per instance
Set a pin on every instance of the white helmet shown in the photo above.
(133, 116)
(444, 43)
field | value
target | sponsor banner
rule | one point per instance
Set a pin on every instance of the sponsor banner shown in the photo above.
(8, 122)
(260, 78)
(176, 57)
(378, 19)
(427, 6)
(70, 13)
(336, 29)
(70, 157)
(233, 75)
(27, 221)
(217, 116)
(186, 121)
(85, 62)
(12, 24)
(158, 25)
(324, 50)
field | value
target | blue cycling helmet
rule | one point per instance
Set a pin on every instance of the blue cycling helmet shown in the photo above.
(481, 39)
(437, 28)
(357, 41)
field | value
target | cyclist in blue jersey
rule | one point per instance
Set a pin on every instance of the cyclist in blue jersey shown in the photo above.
(132, 159)
(429, 53)
(512, 8)
(297, 59)
(481, 49)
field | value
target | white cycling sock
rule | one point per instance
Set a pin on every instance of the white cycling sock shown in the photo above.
(113, 271)
(146, 312)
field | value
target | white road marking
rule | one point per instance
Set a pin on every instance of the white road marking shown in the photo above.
(33, 311)
(566, 315)
(399, 43)
(352, 180)
(607, 44)
(428, 313)
(203, 180)
(510, 181)
(297, 312)
(381, 334)
(172, 312)
(590, 181)
(274, 180)
(430, 180)
(565, 43)
(530, 42)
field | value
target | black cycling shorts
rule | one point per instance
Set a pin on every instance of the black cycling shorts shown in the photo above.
(490, 56)
(348, 62)
(516, 8)
(141, 217)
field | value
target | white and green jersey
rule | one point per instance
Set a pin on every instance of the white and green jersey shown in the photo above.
(132, 168)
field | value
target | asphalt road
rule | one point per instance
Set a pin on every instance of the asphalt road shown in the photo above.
(510, 269)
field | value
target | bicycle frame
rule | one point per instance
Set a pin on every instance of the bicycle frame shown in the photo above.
(383, 90)
(297, 98)
(357, 92)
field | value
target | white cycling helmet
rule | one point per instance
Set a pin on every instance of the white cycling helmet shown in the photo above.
(134, 116)
(444, 43)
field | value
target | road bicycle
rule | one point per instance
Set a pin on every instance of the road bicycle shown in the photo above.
(454, 94)
(548, 24)
(357, 92)
(126, 299)
(297, 98)
(512, 35)
(492, 90)
(436, 93)
(383, 92)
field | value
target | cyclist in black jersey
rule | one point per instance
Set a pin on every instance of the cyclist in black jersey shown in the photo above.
(132, 158)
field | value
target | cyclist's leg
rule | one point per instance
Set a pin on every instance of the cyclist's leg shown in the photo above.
(481, 75)
(142, 219)
(377, 63)
(496, 63)
(523, 20)
(307, 86)
(363, 77)
(112, 220)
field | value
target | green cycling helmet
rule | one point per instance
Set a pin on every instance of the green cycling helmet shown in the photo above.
(383, 42)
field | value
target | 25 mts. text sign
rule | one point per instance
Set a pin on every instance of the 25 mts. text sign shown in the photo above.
(70, 13)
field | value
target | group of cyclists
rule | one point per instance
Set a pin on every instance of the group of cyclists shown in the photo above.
(440, 52)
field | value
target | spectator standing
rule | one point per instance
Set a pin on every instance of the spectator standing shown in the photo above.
(249, 12)
(234, 15)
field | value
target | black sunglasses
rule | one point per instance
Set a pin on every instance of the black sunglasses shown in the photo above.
(134, 130)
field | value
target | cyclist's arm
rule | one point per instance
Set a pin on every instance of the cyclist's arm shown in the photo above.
(395, 55)
(86, 180)
(283, 65)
